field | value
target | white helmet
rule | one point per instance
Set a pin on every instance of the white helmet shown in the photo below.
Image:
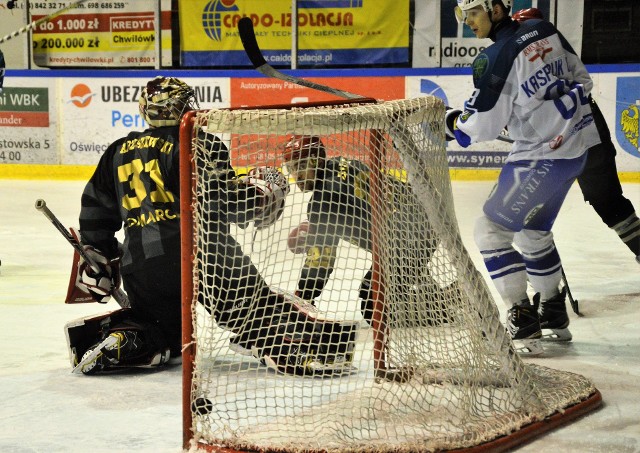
(466, 5)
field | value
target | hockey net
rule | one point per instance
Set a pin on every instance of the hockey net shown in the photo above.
(433, 368)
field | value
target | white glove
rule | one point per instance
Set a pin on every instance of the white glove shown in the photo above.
(273, 187)
(100, 282)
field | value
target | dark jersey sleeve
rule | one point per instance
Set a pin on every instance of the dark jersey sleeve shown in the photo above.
(99, 214)
(230, 199)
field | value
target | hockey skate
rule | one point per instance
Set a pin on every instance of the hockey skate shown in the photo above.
(523, 324)
(554, 320)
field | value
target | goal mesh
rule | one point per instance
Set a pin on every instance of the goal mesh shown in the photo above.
(433, 367)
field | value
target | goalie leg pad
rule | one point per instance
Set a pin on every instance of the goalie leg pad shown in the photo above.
(83, 333)
(290, 351)
(302, 341)
(307, 318)
(114, 340)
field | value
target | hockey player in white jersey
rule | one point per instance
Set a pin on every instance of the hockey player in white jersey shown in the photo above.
(532, 81)
(599, 182)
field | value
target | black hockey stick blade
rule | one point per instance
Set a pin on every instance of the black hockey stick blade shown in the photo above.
(572, 301)
(250, 44)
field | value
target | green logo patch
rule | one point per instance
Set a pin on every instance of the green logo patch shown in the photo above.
(480, 65)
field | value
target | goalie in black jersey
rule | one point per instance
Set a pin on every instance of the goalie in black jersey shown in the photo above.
(136, 185)
(340, 209)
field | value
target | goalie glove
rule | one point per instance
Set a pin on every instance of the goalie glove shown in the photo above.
(272, 188)
(451, 128)
(99, 282)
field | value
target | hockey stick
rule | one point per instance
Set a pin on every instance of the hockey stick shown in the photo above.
(42, 20)
(117, 293)
(250, 44)
(572, 301)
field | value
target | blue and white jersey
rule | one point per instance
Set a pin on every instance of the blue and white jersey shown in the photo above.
(531, 81)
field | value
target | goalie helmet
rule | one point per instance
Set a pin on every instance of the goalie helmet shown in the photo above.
(302, 147)
(526, 14)
(275, 191)
(466, 5)
(164, 100)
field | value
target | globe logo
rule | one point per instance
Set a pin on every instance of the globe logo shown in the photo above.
(432, 88)
(212, 19)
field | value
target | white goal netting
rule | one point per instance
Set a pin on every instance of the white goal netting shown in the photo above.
(428, 365)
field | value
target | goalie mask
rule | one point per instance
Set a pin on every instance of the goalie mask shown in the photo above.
(487, 5)
(164, 100)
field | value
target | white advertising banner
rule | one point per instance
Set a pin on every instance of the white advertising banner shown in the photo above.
(95, 112)
(426, 34)
(29, 122)
(98, 33)
(71, 120)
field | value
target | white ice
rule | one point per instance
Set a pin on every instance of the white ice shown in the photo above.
(44, 408)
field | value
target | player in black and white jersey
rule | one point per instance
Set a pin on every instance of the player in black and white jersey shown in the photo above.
(136, 185)
(599, 181)
(340, 209)
(532, 81)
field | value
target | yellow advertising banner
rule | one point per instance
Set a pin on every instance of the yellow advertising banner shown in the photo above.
(101, 33)
(330, 32)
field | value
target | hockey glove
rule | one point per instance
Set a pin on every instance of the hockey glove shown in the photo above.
(271, 188)
(99, 282)
(451, 128)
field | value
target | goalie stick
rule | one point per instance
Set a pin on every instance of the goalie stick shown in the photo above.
(42, 20)
(117, 293)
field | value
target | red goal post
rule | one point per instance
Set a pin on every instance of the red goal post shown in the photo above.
(434, 370)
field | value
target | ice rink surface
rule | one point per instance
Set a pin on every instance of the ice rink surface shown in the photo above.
(44, 408)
